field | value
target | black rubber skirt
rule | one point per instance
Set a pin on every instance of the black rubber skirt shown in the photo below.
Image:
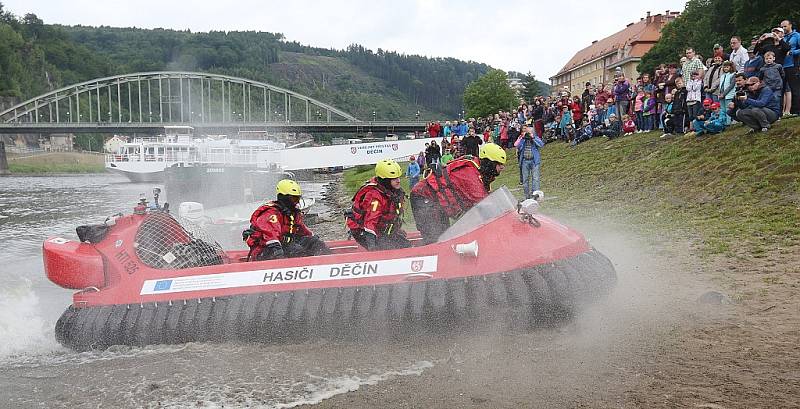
(515, 300)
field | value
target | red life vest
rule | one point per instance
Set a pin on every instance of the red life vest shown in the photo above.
(457, 187)
(280, 227)
(376, 210)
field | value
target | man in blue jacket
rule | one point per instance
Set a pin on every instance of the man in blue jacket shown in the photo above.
(790, 66)
(528, 146)
(760, 106)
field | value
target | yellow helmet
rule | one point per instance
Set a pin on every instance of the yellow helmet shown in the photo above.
(388, 169)
(493, 152)
(288, 187)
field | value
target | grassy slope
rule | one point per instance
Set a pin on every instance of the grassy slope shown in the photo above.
(61, 162)
(735, 193)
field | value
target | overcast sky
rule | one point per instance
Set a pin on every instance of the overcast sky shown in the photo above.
(533, 35)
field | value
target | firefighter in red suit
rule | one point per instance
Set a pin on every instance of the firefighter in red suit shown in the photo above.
(377, 215)
(277, 229)
(454, 189)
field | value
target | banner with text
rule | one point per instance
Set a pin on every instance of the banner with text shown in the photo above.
(325, 272)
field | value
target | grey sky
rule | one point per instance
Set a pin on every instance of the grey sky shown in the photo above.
(531, 35)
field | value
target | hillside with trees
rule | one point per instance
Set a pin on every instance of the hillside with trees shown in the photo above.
(36, 57)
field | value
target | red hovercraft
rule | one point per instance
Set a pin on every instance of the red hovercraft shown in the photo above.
(147, 279)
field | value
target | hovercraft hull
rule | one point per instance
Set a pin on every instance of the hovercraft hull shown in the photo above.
(146, 279)
(518, 299)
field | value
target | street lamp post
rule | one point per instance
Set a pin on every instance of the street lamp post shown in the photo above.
(417, 116)
(374, 116)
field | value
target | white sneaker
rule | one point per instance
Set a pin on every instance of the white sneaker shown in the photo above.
(666, 135)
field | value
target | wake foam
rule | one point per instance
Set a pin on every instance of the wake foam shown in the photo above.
(22, 329)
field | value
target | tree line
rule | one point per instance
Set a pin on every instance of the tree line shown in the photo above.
(36, 57)
(704, 23)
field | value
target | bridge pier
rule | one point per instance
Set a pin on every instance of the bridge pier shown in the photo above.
(3, 161)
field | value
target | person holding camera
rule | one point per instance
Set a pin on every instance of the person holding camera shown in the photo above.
(622, 94)
(760, 106)
(528, 145)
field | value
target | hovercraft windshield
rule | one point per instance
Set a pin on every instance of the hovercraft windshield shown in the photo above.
(498, 203)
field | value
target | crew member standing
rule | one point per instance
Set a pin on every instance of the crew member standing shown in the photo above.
(454, 189)
(277, 229)
(377, 214)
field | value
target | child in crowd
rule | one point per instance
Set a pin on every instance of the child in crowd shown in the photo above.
(628, 126)
(638, 108)
(694, 94)
(667, 117)
(649, 111)
(584, 134)
(716, 123)
(702, 116)
(679, 109)
(602, 113)
(612, 109)
(614, 128)
(592, 114)
(566, 125)
(447, 157)
(772, 74)
(727, 84)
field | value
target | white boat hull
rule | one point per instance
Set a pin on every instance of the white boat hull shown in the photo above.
(140, 171)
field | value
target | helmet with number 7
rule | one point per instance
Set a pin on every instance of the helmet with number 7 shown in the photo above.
(288, 187)
(493, 152)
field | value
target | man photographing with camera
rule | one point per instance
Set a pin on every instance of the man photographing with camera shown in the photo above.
(760, 106)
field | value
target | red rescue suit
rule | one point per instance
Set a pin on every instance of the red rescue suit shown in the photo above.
(376, 210)
(457, 188)
(272, 223)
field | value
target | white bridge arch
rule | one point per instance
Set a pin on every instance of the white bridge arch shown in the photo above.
(173, 97)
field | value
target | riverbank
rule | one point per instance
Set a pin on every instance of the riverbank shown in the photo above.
(56, 162)
(679, 217)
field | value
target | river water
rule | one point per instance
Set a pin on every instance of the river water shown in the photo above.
(37, 372)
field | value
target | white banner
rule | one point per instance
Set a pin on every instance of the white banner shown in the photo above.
(325, 272)
(344, 155)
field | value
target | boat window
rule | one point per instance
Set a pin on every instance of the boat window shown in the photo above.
(500, 202)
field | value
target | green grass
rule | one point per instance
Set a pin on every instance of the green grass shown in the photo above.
(57, 162)
(733, 193)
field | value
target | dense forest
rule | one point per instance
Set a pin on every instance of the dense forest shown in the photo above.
(36, 57)
(706, 22)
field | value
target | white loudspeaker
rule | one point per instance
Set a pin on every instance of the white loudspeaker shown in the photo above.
(468, 249)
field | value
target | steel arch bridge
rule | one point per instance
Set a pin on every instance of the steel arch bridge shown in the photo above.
(148, 99)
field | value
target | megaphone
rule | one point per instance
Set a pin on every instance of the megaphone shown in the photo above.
(467, 249)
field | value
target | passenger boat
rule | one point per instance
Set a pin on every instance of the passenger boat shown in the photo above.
(144, 159)
(145, 278)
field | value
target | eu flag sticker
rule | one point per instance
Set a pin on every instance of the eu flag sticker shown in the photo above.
(162, 285)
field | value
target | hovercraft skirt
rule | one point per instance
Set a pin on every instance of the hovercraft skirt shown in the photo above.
(518, 299)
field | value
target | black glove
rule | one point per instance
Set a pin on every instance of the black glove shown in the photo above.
(370, 240)
(271, 252)
(294, 249)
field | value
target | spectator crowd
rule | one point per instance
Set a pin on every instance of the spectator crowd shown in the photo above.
(755, 85)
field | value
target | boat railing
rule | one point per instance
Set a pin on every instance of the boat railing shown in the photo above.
(245, 157)
(137, 157)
